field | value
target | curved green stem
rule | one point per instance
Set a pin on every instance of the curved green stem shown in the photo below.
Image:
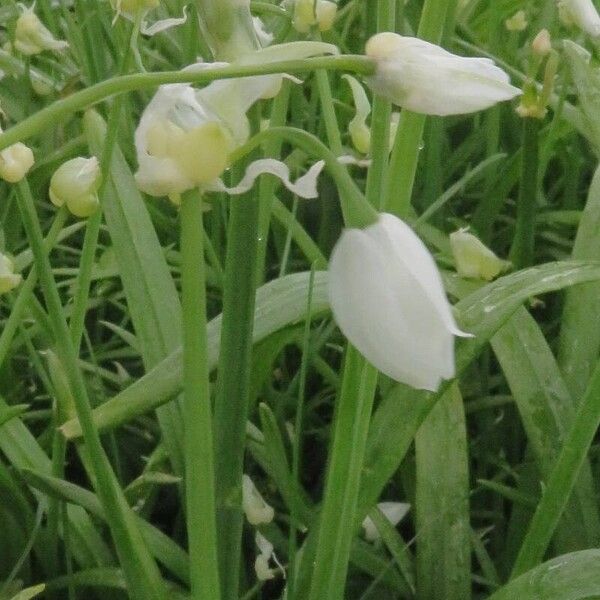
(57, 111)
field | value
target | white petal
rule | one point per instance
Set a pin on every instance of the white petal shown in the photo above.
(394, 513)
(163, 24)
(304, 187)
(256, 509)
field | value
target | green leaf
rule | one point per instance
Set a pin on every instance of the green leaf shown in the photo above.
(574, 576)
(30, 592)
(442, 503)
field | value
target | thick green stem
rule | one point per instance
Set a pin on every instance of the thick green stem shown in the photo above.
(140, 570)
(405, 155)
(55, 112)
(199, 459)
(233, 385)
(562, 480)
(521, 252)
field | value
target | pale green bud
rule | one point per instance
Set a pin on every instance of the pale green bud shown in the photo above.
(256, 509)
(32, 36)
(518, 22)
(473, 259)
(15, 162)
(8, 278)
(308, 13)
(75, 183)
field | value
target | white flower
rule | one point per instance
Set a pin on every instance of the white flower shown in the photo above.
(425, 78)
(261, 564)
(394, 512)
(15, 162)
(257, 511)
(32, 36)
(473, 259)
(75, 183)
(8, 278)
(388, 299)
(186, 135)
(581, 13)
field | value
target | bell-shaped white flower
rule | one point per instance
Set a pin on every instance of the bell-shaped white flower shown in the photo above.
(75, 183)
(8, 278)
(387, 297)
(32, 36)
(257, 511)
(394, 512)
(425, 78)
(473, 259)
(15, 162)
(581, 13)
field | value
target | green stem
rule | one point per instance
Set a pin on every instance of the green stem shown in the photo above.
(57, 111)
(199, 460)
(233, 384)
(405, 155)
(140, 570)
(521, 253)
(25, 292)
(562, 480)
(350, 428)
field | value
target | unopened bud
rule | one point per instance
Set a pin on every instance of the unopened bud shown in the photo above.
(518, 22)
(256, 509)
(32, 36)
(542, 43)
(473, 259)
(308, 13)
(15, 162)
(75, 183)
(8, 278)
(325, 12)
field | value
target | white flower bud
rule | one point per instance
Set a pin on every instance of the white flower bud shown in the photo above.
(261, 564)
(325, 12)
(8, 278)
(394, 512)
(518, 22)
(473, 259)
(308, 13)
(32, 36)
(387, 297)
(15, 162)
(542, 43)
(256, 509)
(75, 183)
(425, 78)
(360, 132)
(581, 13)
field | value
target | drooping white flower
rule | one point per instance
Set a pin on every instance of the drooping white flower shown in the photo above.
(581, 13)
(257, 511)
(15, 162)
(394, 512)
(387, 297)
(186, 136)
(473, 259)
(75, 183)
(425, 78)
(8, 278)
(32, 36)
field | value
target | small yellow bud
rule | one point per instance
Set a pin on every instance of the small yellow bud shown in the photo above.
(8, 278)
(473, 259)
(32, 37)
(15, 162)
(542, 43)
(75, 183)
(518, 22)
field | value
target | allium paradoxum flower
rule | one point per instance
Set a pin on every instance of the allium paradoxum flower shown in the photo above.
(425, 78)
(75, 183)
(387, 297)
(32, 36)
(474, 259)
(186, 136)
(15, 162)
(582, 14)
(8, 278)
